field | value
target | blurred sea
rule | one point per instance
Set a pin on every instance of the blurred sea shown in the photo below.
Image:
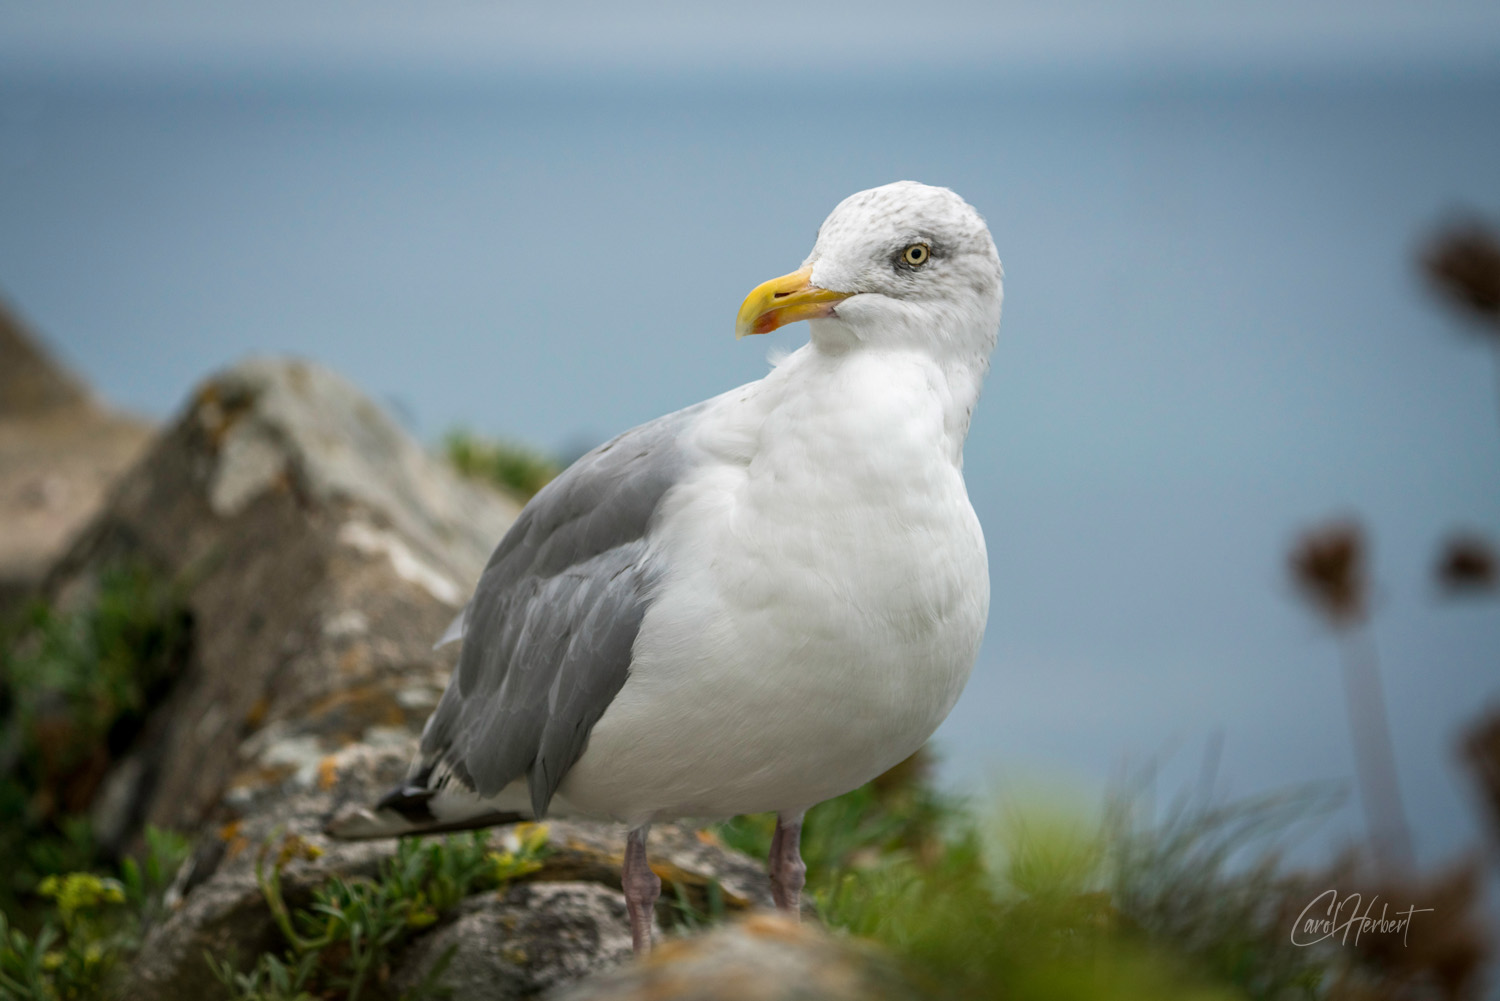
(1214, 336)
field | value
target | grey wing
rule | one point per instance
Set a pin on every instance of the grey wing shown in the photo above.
(548, 633)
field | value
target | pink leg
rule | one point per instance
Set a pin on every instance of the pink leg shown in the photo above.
(642, 887)
(788, 872)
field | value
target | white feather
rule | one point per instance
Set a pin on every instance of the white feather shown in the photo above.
(825, 584)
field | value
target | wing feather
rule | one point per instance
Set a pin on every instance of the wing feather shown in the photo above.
(548, 632)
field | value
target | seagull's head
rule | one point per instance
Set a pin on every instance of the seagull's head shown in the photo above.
(904, 265)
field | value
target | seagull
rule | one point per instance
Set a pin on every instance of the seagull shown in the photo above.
(751, 605)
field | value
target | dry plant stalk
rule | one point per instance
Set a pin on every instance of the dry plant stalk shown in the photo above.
(1328, 566)
(1481, 750)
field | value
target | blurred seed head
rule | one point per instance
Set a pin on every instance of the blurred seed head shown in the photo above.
(1481, 751)
(1463, 264)
(1328, 566)
(1466, 565)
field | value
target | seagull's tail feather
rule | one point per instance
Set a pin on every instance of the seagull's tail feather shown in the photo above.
(411, 809)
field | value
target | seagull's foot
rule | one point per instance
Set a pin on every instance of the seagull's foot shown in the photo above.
(788, 871)
(642, 887)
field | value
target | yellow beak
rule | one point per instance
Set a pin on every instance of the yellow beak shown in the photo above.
(785, 300)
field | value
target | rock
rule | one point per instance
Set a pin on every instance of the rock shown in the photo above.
(222, 911)
(59, 455)
(765, 957)
(31, 382)
(520, 945)
(318, 551)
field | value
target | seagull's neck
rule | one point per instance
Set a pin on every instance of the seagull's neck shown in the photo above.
(952, 344)
(862, 373)
(964, 380)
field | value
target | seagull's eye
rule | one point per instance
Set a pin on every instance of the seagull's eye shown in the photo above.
(916, 255)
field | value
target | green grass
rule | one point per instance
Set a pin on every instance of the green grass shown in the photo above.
(515, 468)
(1044, 902)
(1208, 880)
(899, 817)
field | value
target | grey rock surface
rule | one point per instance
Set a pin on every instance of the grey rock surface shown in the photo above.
(319, 550)
(535, 937)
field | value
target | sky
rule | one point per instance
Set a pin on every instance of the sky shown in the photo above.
(539, 223)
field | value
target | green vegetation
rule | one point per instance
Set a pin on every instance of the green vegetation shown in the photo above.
(74, 692)
(339, 945)
(687, 917)
(1206, 882)
(897, 816)
(1043, 903)
(92, 923)
(75, 689)
(1036, 903)
(508, 465)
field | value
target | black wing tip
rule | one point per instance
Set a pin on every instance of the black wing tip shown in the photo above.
(478, 822)
(403, 810)
(410, 801)
(406, 811)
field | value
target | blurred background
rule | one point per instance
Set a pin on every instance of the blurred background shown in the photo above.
(537, 222)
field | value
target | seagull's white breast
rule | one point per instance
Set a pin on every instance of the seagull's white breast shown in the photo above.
(824, 595)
